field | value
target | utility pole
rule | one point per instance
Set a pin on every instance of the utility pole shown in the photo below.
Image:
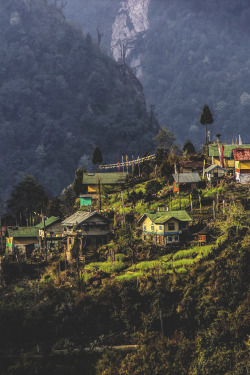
(100, 199)
(45, 240)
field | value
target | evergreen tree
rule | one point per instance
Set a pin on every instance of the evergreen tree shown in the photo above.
(27, 197)
(165, 139)
(206, 119)
(188, 147)
(97, 156)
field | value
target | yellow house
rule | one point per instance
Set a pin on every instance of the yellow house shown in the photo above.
(164, 227)
(21, 238)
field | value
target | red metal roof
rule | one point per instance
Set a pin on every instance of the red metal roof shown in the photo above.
(241, 154)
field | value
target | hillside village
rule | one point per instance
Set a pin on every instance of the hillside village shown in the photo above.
(164, 213)
(143, 220)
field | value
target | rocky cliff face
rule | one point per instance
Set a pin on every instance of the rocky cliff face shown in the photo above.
(186, 54)
(129, 26)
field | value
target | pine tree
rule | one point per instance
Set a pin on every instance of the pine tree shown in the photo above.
(188, 147)
(97, 156)
(206, 119)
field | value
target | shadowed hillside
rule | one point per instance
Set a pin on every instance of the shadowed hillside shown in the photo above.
(60, 96)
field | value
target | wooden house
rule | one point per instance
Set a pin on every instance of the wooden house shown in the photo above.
(51, 229)
(215, 172)
(186, 181)
(222, 154)
(23, 239)
(242, 164)
(91, 228)
(93, 180)
(187, 166)
(165, 228)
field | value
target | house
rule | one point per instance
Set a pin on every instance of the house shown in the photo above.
(186, 181)
(52, 230)
(242, 164)
(91, 228)
(93, 180)
(187, 166)
(222, 154)
(22, 238)
(165, 227)
(215, 172)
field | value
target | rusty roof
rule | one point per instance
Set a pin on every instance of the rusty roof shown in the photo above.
(241, 154)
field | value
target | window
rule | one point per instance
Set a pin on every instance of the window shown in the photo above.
(152, 227)
(170, 238)
(176, 238)
(170, 226)
(144, 227)
(160, 227)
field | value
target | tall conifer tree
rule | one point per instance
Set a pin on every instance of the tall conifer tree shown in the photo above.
(206, 119)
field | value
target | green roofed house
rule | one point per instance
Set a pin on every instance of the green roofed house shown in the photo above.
(166, 227)
(92, 180)
(226, 151)
(22, 238)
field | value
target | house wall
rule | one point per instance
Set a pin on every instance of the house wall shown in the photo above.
(170, 227)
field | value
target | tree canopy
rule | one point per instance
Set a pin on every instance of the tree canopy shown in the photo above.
(27, 199)
(206, 119)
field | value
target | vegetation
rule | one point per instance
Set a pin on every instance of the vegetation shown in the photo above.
(60, 95)
(183, 309)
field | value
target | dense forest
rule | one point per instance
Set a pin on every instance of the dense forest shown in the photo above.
(192, 53)
(60, 96)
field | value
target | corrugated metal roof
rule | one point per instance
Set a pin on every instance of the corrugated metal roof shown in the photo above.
(115, 178)
(79, 217)
(242, 154)
(213, 150)
(23, 232)
(48, 222)
(209, 169)
(184, 178)
(164, 216)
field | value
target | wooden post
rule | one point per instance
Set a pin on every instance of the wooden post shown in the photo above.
(213, 209)
(123, 212)
(100, 199)
(45, 240)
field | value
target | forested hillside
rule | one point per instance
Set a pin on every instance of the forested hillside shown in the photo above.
(187, 53)
(60, 96)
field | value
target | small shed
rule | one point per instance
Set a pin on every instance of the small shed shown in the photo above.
(215, 172)
(85, 200)
(186, 181)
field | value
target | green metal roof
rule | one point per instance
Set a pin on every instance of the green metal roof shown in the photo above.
(49, 221)
(164, 216)
(114, 178)
(23, 232)
(213, 149)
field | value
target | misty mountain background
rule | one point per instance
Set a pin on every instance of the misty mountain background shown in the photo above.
(60, 96)
(185, 53)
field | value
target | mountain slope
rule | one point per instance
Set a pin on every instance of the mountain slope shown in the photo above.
(60, 96)
(186, 54)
